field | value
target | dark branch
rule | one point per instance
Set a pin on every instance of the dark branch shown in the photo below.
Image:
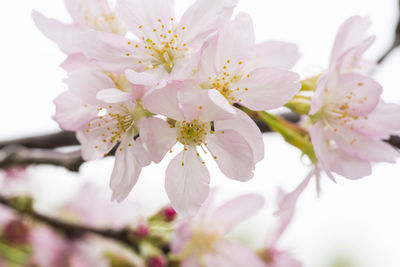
(74, 230)
(396, 41)
(15, 155)
(47, 141)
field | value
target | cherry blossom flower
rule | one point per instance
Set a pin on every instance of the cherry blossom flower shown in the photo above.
(106, 214)
(87, 15)
(103, 124)
(201, 240)
(254, 75)
(163, 46)
(348, 118)
(198, 119)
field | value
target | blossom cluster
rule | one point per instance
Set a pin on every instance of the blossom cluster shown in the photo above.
(144, 83)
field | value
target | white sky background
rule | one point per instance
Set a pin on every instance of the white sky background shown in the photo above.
(356, 220)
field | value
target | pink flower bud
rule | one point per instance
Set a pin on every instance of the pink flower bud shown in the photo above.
(169, 213)
(16, 232)
(157, 261)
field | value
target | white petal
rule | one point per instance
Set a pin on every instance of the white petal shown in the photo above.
(187, 186)
(233, 154)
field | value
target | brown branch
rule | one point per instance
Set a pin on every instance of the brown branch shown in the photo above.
(73, 230)
(47, 141)
(15, 155)
(396, 41)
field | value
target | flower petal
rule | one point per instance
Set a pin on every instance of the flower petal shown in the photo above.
(230, 253)
(236, 211)
(64, 35)
(87, 83)
(247, 128)
(233, 154)
(113, 95)
(141, 78)
(187, 186)
(111, 52)
(268, 88)
(71, 113)
(158, 137)
(215, 107)
(350, 35)
(126, 169)
(239, 32)
(276, 54)
(164, 101)
(203, 18)
(75, 62)
(141, 16)
(357, 94)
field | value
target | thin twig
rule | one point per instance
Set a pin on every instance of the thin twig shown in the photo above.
(48, 141)
(74, 230)
(396, 41)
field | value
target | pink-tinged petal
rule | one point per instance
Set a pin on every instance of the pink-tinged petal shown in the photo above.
(164, 101)
(352, 60)
(191, 261)
(276, 54)
(158, 137)
(247, 128)
(182, 235)
(118, 215)
(49, 248)
(64, 35)
(126, 169)
(75, 62)
(319, 95)
(283, 259)
(111, 52)
(87, 12)
(141, 16)
(286, 206)
(207, 67)
(203, 18)
(320, 145)
(113, 95)
(236, 211)
(141, 78)
(382, 122)
(233, 154)
(239, 32)
(215, 107)
(230, 253)
(356, 94)
(72, 113)
(187, 185)
(189, 100)
(363, 147)
(95, 139)
(268, 88)
(87, 83)
(349, 167)
(350, 35)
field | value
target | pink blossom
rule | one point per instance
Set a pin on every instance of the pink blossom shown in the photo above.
(165, 47)
(86, 15)
(105, 214)
(254, 75)
(201, 120)
(349, 120)
(102, 108)
(202, 241)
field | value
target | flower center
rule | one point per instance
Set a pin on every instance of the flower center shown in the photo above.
(193, 133)
(120, 81)
(225, 82)
(165, 48)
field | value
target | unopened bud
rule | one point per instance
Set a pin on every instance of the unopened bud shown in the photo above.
(169, 214)
(16, 232)
(156, 262)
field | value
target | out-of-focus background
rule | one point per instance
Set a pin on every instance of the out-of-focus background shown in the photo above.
(352, 224)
